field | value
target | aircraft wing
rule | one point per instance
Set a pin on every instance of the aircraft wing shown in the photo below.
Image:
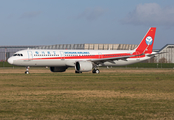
(102, 60)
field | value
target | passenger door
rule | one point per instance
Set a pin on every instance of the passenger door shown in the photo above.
(62, 55)
(30, 55)
(100, 55)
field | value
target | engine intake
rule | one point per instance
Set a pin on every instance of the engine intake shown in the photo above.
(83, 66)
(58, 69)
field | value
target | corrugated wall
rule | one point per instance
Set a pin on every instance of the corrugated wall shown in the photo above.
(167, 56)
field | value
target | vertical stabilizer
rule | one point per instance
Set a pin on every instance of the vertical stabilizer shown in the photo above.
(146, 44)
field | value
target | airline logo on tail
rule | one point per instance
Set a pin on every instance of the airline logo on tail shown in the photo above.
(149, 40)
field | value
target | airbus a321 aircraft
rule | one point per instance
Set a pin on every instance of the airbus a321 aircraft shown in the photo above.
(84, 60)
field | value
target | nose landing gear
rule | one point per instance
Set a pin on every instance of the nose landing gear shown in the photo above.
(27, 70)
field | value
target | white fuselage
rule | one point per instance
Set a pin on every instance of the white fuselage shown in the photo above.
(56, 58)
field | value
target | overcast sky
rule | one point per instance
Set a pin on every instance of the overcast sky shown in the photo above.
(48, 22)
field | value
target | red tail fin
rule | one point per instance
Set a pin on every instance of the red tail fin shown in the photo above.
(146, 44)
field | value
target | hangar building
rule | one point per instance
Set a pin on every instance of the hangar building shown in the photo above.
(167, 55)
(90, 46)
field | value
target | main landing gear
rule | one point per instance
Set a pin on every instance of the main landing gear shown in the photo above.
(27, 70)
(96, 71)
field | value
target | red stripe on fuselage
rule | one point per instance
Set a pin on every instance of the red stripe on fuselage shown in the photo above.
(87, 56)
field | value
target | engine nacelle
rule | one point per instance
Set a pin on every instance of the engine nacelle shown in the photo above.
(83, 66)
(58, 69)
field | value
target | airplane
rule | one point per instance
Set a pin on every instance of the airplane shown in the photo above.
(84, 60)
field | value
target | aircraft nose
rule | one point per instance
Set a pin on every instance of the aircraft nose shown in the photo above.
(10, 61)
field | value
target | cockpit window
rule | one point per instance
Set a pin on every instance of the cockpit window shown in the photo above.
(18, 55)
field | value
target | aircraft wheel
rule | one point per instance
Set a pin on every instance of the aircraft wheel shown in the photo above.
(93, 71)
(77, 72)
(97, 71)
(26, 72)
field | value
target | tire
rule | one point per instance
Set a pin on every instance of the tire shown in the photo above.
(93, 71)
(97, 71)
(26, 72)
(77, 72)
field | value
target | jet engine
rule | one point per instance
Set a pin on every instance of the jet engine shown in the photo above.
(83, 66)
(58, 69)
